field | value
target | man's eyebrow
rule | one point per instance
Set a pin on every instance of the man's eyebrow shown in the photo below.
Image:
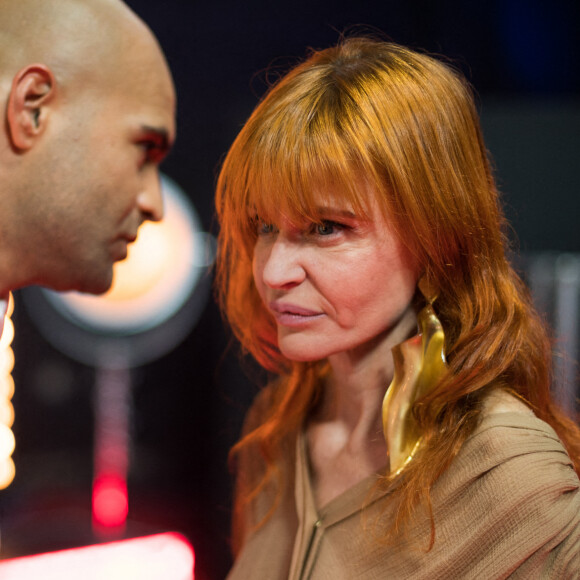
(161, 134)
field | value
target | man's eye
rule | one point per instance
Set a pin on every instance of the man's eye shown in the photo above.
(152, 151)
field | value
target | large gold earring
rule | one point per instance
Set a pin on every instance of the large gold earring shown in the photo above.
(419, 365)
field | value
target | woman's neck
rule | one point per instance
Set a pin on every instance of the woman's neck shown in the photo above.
(356, 385)
(344, 433)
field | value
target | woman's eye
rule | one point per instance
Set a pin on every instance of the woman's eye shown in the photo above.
(264, 228)
(326, 228)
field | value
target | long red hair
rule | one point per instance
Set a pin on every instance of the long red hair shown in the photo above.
(408, 124)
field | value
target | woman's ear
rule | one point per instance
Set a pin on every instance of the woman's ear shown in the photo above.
(33, 88)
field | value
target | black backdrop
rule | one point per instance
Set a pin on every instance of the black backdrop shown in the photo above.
(523, 59)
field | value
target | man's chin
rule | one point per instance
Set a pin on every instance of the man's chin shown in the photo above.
(94, 284)
(98, 287)
(87, 279)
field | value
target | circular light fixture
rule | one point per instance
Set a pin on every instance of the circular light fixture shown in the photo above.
(165, 273)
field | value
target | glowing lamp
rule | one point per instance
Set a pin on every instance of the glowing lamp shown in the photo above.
(155, 280)
(157, 294)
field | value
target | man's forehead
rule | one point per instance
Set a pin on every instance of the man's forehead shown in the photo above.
(151, 106)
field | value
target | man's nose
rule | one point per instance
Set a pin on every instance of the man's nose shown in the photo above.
(150, 200)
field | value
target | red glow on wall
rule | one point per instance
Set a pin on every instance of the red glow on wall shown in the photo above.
(110, 501)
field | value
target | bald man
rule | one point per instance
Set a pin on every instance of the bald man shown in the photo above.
(89, 106)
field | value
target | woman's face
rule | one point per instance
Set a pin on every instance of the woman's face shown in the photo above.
(333, 287)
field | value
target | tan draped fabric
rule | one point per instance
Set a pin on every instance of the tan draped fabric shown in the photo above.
(509, 507)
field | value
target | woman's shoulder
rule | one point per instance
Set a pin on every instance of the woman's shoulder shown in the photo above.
(516, 452)
(509, 428)
(514, 482)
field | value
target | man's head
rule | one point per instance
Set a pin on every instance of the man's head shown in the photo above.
(89, 110)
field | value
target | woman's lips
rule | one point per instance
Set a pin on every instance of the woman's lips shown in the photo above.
(293, 315)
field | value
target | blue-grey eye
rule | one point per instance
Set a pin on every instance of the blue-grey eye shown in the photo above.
(325, 228)
(265, 228)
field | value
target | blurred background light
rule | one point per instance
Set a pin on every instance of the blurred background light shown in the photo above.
(156, 297)
(156, 279)
(7, 441)
(160, 557)
(110, 501)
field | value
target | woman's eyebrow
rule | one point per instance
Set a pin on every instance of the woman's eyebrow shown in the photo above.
(335, 211)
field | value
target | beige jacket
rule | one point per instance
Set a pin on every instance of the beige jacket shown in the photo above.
(509, 507)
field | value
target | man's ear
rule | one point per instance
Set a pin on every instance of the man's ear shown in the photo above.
(33, 89)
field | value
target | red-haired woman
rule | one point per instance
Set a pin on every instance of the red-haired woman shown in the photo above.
(408, 429)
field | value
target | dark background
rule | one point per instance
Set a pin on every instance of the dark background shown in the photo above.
(523, 57)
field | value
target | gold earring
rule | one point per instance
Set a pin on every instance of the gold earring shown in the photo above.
(419, 365)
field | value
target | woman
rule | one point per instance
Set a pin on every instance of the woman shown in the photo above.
(362, 254)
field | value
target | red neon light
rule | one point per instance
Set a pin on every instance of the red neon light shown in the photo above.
(110, 501)
(161, 557)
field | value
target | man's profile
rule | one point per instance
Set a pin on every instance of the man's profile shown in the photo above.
(88, 109)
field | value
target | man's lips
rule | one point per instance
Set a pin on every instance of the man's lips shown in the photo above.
(120, 246)
(130, 237)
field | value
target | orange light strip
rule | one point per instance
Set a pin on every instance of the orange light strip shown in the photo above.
(7, 441)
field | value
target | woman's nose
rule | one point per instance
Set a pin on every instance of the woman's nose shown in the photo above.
(281, 263)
